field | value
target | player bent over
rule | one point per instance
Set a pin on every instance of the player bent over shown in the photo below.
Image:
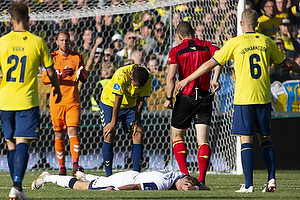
(130, 180)
(123, 98)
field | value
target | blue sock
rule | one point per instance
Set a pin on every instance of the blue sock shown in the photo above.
(269, 158)
(137, 155)
(20, 162)
(247, 163)
(10, 160)
(107, 151)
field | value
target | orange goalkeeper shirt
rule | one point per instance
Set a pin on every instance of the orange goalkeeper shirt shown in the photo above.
(68, 85)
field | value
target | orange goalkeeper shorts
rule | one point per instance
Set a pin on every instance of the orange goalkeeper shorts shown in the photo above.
(64, 116)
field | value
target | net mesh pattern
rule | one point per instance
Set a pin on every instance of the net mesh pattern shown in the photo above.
(212, 20)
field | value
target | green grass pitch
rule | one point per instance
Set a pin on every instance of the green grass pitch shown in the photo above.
(222, 187)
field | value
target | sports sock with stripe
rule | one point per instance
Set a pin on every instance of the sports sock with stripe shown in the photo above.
(247, 163)
(180, 153)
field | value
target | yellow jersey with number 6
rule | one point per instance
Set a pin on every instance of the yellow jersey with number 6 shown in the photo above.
(251, 53)
(21, 54)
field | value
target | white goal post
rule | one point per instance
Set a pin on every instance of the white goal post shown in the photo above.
(213, 20)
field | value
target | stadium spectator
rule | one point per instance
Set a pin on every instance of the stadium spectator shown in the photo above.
(210, 29)
(107, 71)
(130, 41)
(177, 17)
(107, 31)
(86, 47)
(145, 37)
(281, 9)
(95, 58)
(137, 56)
(97, 24)
(286, 34)
(277, 71)
(19, 102)
(195, 102)
(162, 42)
(66, 114)
(73, 39)
(268, 24)
(253, 110)
(117, 40)
(131, 180)
(123, 98)
(158, 89)
(199, 31)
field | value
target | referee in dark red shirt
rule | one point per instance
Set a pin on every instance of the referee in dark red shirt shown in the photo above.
(195, 101)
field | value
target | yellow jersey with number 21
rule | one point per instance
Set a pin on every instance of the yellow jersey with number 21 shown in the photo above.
(21, 54)
(251, 53)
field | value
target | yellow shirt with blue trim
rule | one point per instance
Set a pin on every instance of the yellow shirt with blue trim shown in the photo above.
(251, 53)
(120, 84)
(21, 54)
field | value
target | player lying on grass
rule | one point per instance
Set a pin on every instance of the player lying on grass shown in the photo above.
(130, 180)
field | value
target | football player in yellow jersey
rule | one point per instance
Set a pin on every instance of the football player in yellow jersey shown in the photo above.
(21, 54)
(251, 53)
(123, 98)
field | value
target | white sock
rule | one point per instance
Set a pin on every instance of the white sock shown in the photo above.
(59, 180)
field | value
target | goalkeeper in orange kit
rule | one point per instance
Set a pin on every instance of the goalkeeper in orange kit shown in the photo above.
(66, 115)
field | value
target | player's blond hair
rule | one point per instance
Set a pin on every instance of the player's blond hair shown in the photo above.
(249, 18)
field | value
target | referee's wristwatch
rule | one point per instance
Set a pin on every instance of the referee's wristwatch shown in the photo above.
(169, 98)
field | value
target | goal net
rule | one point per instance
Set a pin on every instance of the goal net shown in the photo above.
(212, 20)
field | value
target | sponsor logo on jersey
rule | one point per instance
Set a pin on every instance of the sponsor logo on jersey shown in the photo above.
(117, 86)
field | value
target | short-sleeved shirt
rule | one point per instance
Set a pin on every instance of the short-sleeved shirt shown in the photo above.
(251, 53)
(21, 54)
(155, 180)
(190, 55)
(268, 26)
(120, 84)
(68, 85)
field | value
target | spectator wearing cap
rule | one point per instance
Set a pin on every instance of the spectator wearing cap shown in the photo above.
(268, 24)
(277, 71)
(117, 40)
(285, 33)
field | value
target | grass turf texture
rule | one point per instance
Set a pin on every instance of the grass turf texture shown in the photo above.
(222, 187)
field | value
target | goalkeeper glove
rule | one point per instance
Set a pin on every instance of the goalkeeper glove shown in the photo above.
(66, 72)
(81, 74)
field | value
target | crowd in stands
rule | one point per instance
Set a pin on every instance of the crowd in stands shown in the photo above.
(145, 37)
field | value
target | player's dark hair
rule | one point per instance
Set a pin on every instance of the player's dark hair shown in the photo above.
(18, 11)
(192, 180)
(63, 32)
(140, 75)
(185, 29)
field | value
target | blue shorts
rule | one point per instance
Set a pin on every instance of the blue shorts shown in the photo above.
(127, 116)
(247, 117)
(21, 124)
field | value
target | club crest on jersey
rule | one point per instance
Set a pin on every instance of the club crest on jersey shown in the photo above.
(117, 86)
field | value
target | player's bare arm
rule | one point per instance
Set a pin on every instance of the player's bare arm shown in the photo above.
(126, 187)
(111, 127)
(55, 83)
(292, 65)
(205, 68)
(170, 85)
(215, 81)
(138, 111)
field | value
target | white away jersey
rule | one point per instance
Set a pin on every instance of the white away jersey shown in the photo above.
(156, 180)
